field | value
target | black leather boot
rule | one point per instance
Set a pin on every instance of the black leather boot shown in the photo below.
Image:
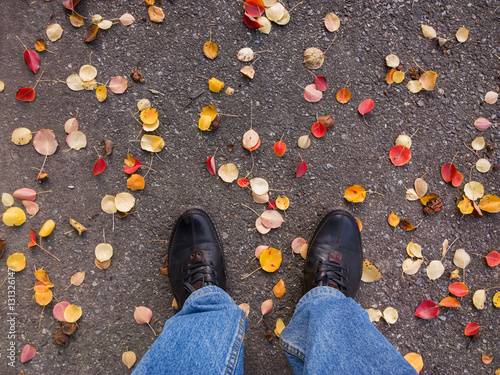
(335, 256)
(194, 255)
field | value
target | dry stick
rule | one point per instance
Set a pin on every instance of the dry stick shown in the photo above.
(48, 252)
(251, 169)
(369, 125)
(150, 164)
(418, 65)
(251, 273)
(470, 149)
(295, 6)
(72, 230)
(394, 45)
(411, 136)
(448, 248)
(202, 77)
(3, 282)
(254, 61)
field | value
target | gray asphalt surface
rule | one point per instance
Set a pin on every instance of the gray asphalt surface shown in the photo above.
(170, 57)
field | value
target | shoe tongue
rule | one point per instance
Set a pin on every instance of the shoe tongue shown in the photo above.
(196, 285)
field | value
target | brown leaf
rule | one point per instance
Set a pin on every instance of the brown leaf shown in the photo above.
(2, 245)
(327, 120)
(164, 270)
(406, 225)
(68, 328)
(108, 146)
(90, 33)
(60, 338)
(137, 76)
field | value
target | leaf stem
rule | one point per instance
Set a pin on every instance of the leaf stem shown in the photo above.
(21, 43)
(335, 37)
(38, 80)
(295, 6)
(48, 252)
(251, 273)
(251, 209)
(154, 333)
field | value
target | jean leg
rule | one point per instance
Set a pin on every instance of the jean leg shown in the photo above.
(205, 337)
(331, 334)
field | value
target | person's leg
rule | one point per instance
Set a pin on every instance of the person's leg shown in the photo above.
(206, 336)
(329, 332)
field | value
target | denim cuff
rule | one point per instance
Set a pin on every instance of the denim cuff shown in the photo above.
(320, 291)
(206, 291)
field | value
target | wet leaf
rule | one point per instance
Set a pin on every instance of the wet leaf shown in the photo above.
(479, 298)
(13, 216)
(473, 190)
(124, 202)
(27, 353)
(72, 313)
(458, 289)
(21, 136)
(393, 219)
(210, 49)
(493, 258)
(32, 59)
(370, 272)
(118, 84)
(415, 360)
(228, 172)
(343, 95)
(99, 166)
(355, 194)
(16, 262)
(127, 19)
(45, 142)
(26, 94)
(427, 310)
(471, 329)
(332, 22)
(411, 267)
(312, 94)
(54, 31)
(462, 34)
(400, 155)
(435, 270)
(449, 302)
(128, 358)
(136, 182)
(270, 259)
(266, 307)
(428, 31)
(301, 169)
(461, 258)
(366, 106)
(279, 289)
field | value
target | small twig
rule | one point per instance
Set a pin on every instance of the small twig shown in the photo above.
(202, 77)
(150, 164)
(251, 273)
(295, 6)
(21, 43)
(335, 37)
(375, 192)
(470, 149)
(251, 209)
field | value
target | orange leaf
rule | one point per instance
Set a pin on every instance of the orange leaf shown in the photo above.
(270, 259)
(136, 182)
(406, 225)
(343, 95)
(388, 77)
(493, 259)
(279, 289)
(449, 302)
(415, 360)
(487, 359)
(279, 148)
(318, 129)
(393, 219)
(355, 193)
(43, 298)
(458, 289)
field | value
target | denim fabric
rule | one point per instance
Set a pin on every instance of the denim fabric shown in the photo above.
(328, 334)
(331, 334)
(205, 337)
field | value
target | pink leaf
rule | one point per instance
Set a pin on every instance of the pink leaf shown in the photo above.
(58, 310)
(118, 84)
(31, 207)
(301, 169)
(31, 58)
(312, 94)
(142, 315)
(45, 142)
(427, 310)
(271, 219)
(366, 106)
(297, 244)
(25, 194)
(27, 353)
(482, 124)
(99, 166)
(321, 83)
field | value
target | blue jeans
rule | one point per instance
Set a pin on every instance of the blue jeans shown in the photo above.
(328, 334)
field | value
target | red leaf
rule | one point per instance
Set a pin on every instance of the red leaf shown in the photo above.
(32, 238)
(243, 182)
(279, 148)
(301, 169)
(458, 289)
(366, 106)
(70, 4)
(27, 353)
(99, 166)
(272, 205)
(427, 310)
(32, 60)
(493, 259)
(318, 129)
(211, 165)
(471, 329)
(26, 94)
(132, 169)
(321, 83)
(250, 21)
(400, 155)
(457, 180)
(448, 172)
(254, 8)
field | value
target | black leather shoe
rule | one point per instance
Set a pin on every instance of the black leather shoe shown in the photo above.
(335, 256)
(194, 255)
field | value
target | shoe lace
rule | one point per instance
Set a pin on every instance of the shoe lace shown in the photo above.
(328, 272)
(202, 273)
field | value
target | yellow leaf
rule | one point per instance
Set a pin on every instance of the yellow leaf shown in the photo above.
(474, 190)
(72, 313)
(496, 300)
(355, 193)
(415, 360)
(414, 250)
(43, 298)
(16, 262)
(427, 198)
(13, 216)
(47, 228)
(209, 110)
(42, 276)
(40, 45)
(77, 278)
(149, 116)
(270, 259)
(490, 203)
(79, 227)
(210, 49)
(279, 327)
(462, 34)
(393, 219)
(136, 182)
(129, 358)
(204, 123)
(398, 76)
(360, 224)
(370, 272)
(101, 93)
(374, 314)
(152, 143)
(414, 86)
(215, 85)
(465, 206)
(279, 289)
(428, 80)
(282, 203)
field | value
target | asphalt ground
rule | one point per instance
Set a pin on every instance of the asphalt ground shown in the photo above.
(170, 57)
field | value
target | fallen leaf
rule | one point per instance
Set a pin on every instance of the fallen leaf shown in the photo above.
(25, 194)
(458, 289)
(374, 314)
(31, 207)
(471, 329)
(318, 129)
(245, 307)
(261, 228)
(250, 21)
(435, 270)
(99, 166)
(297, 244)
(152, 143)
(414, 250)
(128, 358)
(266, 25)
(259, 249)
(398, 76)
(465, 206)
(411, 267)
(304, 141)
(127, 19)
(103, 252)
(449, 302)
(355, 194)
(156, 14)
(118, 84)
(251, 140)
(457, 180)
(414, 86)
(428, 80)
(462, 34)
(108, 204)
(478, 143)
(366, 106)
(279, 148)
(7, 199)
(393, 219)
(496, 300)
(16, 262)
(124, 202)
(40, 45)
(320, 82)
(427, 310)
(479, 298)
(461, 258)
(482, 124)
(79, 227)
(136, 182)
(282, 203)
(243, 182)
(21, 136)
(74, 82)
(26, 94)
(271, 219)
(45, 142)
(43, 298)
(279, 289)
(76, 140)
(279, 327)
(245, 54)
(259, 185)
(428, 31)
(210, 49)
(27, 353)
(101, 93)
(392, 61)
(390, 315)
(312, 94)
(58, 310)
(228, 172)
(266, 307)
(332, 22)
(32, 59)
(370, 272)
(491, 97)
(473, 190)
(415, 360)
(270, 259)
(254, 8)
(493, 258)
(313, 58)
(487, 359)
(400, 155)
(343, 95)
(13, 216)
(54, 31)
(72, 313)
(301, 169)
